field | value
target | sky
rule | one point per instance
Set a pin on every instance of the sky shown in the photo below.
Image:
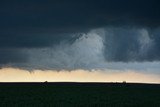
(80, 40)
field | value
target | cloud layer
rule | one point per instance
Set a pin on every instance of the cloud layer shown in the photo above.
(104, 48)
(97, 34)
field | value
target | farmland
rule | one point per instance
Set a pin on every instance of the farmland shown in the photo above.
(79, 95)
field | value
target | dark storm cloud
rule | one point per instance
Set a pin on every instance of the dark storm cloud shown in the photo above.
(98, 49)
(31, 40)
(28, 23)
(130, 45)
(90, 13)
(58, 34)
(9, 56)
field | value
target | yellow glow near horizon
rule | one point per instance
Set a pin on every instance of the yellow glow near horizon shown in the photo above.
(18, 75)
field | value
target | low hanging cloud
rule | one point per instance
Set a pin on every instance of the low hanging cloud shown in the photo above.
(85, 52)
(129, 45)
(103, 48)
(84, 34)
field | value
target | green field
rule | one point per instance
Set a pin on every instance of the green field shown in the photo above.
(79, 95)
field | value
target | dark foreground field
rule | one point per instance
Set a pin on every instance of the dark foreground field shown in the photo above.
(79, 95)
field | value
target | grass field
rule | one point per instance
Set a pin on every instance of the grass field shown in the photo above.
(79, 95)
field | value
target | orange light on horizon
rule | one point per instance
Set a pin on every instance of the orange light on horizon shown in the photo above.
(18, 75)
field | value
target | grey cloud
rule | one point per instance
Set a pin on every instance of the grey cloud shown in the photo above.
(32, 21)
(129, 45)
(9, 56)
(59, 34)
(97, 49)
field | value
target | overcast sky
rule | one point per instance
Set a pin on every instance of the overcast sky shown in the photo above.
(80, 34)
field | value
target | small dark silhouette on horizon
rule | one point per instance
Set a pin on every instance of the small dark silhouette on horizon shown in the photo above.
(124, 82)
(45, 81)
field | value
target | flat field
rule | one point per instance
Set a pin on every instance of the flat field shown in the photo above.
(79, 95)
